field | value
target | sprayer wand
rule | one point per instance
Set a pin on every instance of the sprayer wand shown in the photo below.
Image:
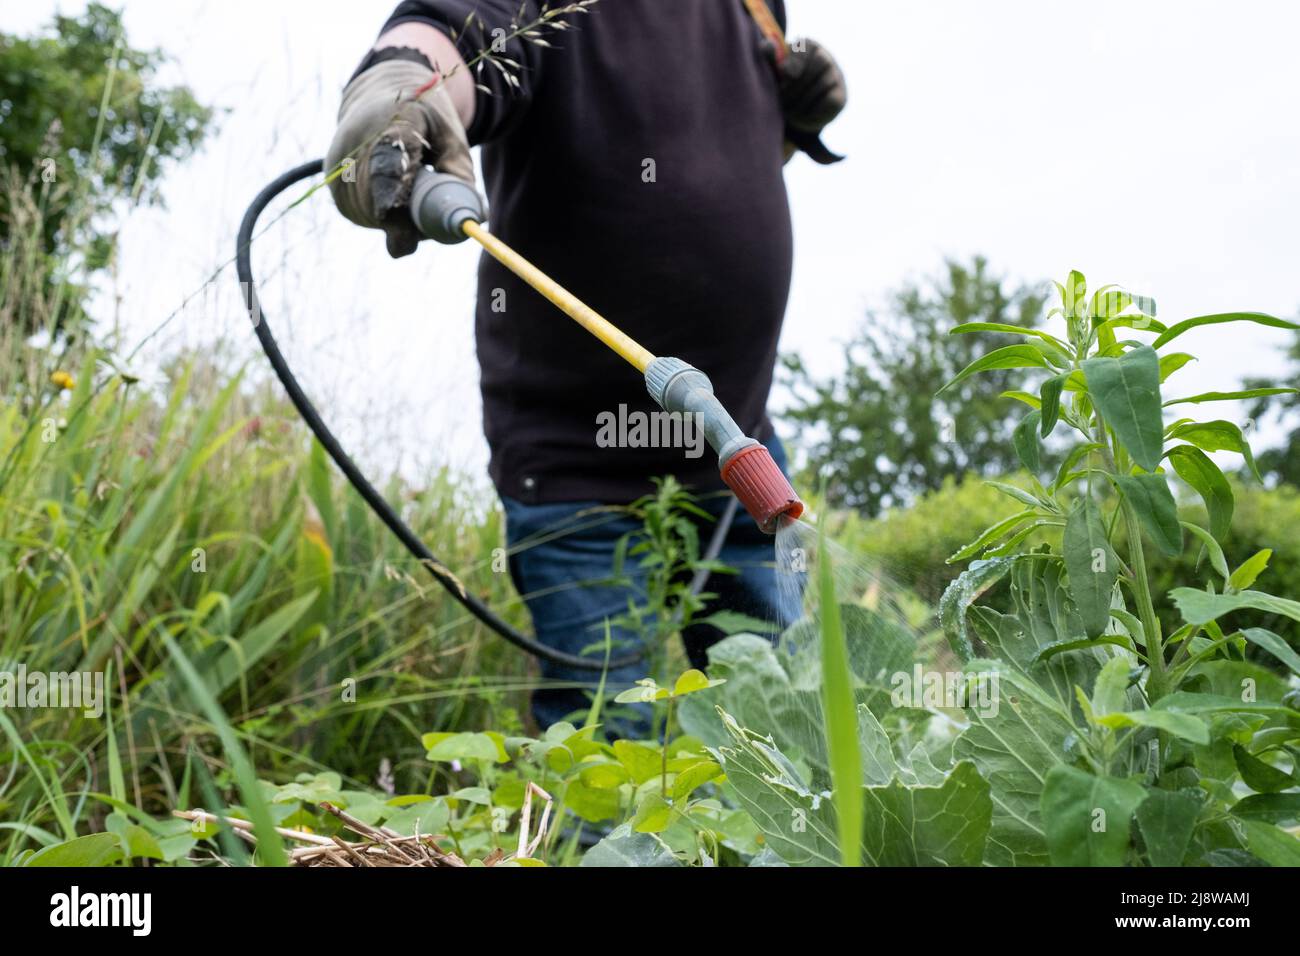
(448, 209)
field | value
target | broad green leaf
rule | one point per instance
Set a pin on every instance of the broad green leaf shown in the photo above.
(1050, 399)
(780, 688)
(1274, 645)
(943, 825)
(696, 775)
(1166, 819)
(1026, 441)
(1250, 569)
(1126, 391)
(1087, 817)
(1217, 560)
(878, 763)
(1229, 396)
(623, 847)
(604, 776)
(1269, 807)
(1218, 435)
(991, 534)
(311, 788)
(1014, 748)
(1187, 702)
(1207, 480)
(1049, 651)
(765, 856)
(425, 817)
(479, 795)
(1011, 329)
(927, 825)
(734, 622)
(1011, 545)
(690, 681)
(1090, 564)
(1110, 691)
(92, 850)
(798, 824)
(1187, 726)
(1260, 776)
(1172, 363)
(961, 594)
(1201, 607)
(1108, 302)
(1259, 318)
(1032, 401)
(1009, 356)
(1074, 295)
(1141, 322)
(591, 803)
(1019, 494)
(1044, 614)
(446, 747)
(653, 814)
(642, 762)
(1271, 844)
(1076, 455)
(1154, 503)
(644, 691)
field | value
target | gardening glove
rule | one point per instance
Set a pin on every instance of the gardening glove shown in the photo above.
(385, 135)
(812, 91)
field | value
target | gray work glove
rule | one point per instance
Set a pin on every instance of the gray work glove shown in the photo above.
(385, 136)
(812, 90)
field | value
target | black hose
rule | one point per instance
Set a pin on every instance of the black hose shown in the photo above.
(441, 573)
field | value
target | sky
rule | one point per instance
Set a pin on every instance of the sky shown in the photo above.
(1150, 144)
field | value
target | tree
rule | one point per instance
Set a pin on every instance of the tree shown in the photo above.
(876, 434)
(85, 128)
(1282, 462)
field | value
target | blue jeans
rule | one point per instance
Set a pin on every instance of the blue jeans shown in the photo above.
(561, 561)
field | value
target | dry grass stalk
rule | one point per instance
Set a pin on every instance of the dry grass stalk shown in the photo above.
(378, 846)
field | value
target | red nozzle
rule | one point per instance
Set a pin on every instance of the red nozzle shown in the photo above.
(761, 487)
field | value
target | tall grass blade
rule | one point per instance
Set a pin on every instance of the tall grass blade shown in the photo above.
(839, 712)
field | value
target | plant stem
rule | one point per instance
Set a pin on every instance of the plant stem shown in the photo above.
(1146, 609)
(1137, 559)
(663, 752)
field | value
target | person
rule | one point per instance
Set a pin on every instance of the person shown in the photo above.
(637, 156)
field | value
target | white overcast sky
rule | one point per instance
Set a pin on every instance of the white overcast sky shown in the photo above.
(1151, 144)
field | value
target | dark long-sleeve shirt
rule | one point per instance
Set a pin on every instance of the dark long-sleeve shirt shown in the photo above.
(639, 163)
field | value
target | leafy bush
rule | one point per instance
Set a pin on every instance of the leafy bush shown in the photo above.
(1092, 735)
(1121, 742)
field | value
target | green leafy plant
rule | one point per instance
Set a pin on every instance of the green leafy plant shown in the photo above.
(667, 554)
(770, 731)
(1117, 742)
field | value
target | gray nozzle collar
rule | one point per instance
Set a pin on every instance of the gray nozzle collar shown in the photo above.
(664, 372)
(441, 204)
